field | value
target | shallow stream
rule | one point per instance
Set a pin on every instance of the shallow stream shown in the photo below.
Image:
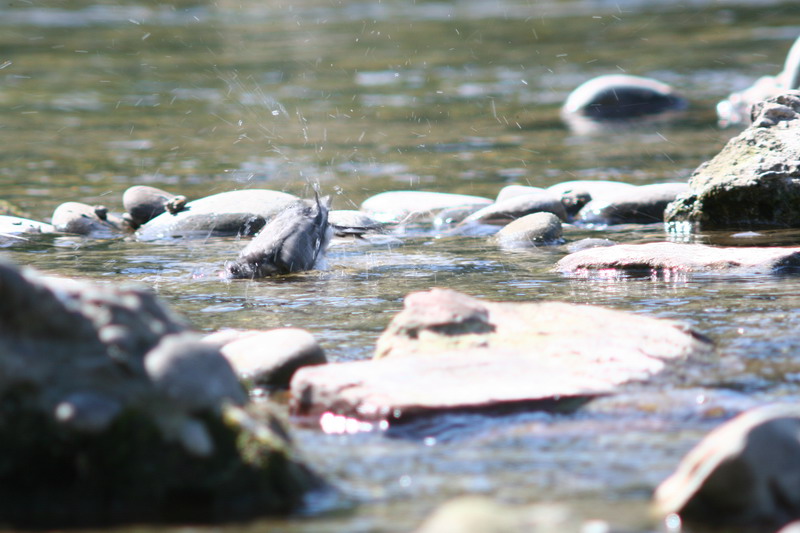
(364, 97)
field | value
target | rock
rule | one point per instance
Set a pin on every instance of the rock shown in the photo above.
(242, 212)
(638, 205)
(11, 225)
(754, 182)
(447, 351)
(294, 241)
(585, 244)
(618, 98)
(479, 514)
(83, 219)
(737, 107)
(400, 206)
(270, 358)
(114, 413)
(510, 191)
(668, 259)
(536, 229)
(193, 374)
(143, 203)
(577, 193)
(350, 222)
(505, 211)
(744, 473)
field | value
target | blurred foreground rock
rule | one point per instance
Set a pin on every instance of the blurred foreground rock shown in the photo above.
(745, 473)
(112, 411)
(667, 258)
(754, 182)
(448, 351)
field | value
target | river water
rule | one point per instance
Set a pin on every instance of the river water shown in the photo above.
(364, 97)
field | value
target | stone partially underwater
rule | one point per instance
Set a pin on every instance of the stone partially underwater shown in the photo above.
(754, 182)
(447, 352)
(112, 411)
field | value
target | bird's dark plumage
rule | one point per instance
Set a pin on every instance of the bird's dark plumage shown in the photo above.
(293, 241)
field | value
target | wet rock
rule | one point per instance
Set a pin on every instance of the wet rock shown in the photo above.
(350, 222)
(503, 212)
(667, 259)
(644, 204)
(114, 412)
(736, 109)
(744, 473)
(618, 98)
(577, 193)
(11, 225)
(585, 244)
(401, 206)
(294, 241)
(242, 212)
(193, 374)
(510, 191)
(448, 351)
(83, 219)
(754, 182)
(143, 203)
(269, 358)
(537, 229)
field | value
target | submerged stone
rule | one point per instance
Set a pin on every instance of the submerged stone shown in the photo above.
(619, 98)
(754, 182)
(745, 473)
(667, 258)
(112, 412)
(447, 351)
(242, 212)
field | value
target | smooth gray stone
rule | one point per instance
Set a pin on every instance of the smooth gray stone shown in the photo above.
(294, 241)
(752, 183)
(515, 207)
(669, 259)
(745, 473)
(193, 374)
(644, 204)
(269, 358)
(351, 222)
(11, 225)
(242, 212)
(577, 193)
(83, 219)
(401, 206)
(143, 203)
(536, 229)
(736, 109)
(510, 191)
(619, 98)
(447, 351)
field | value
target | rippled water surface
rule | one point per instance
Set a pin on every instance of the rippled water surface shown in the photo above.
(364, 97)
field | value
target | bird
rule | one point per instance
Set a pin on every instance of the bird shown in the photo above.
(294, 241)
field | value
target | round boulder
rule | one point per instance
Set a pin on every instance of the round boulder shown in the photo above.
(536, 229)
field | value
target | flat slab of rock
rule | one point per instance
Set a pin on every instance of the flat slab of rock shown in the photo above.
(448, 351)
(242, 212)
(11, 225)
(754, 182)
(668, 257)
